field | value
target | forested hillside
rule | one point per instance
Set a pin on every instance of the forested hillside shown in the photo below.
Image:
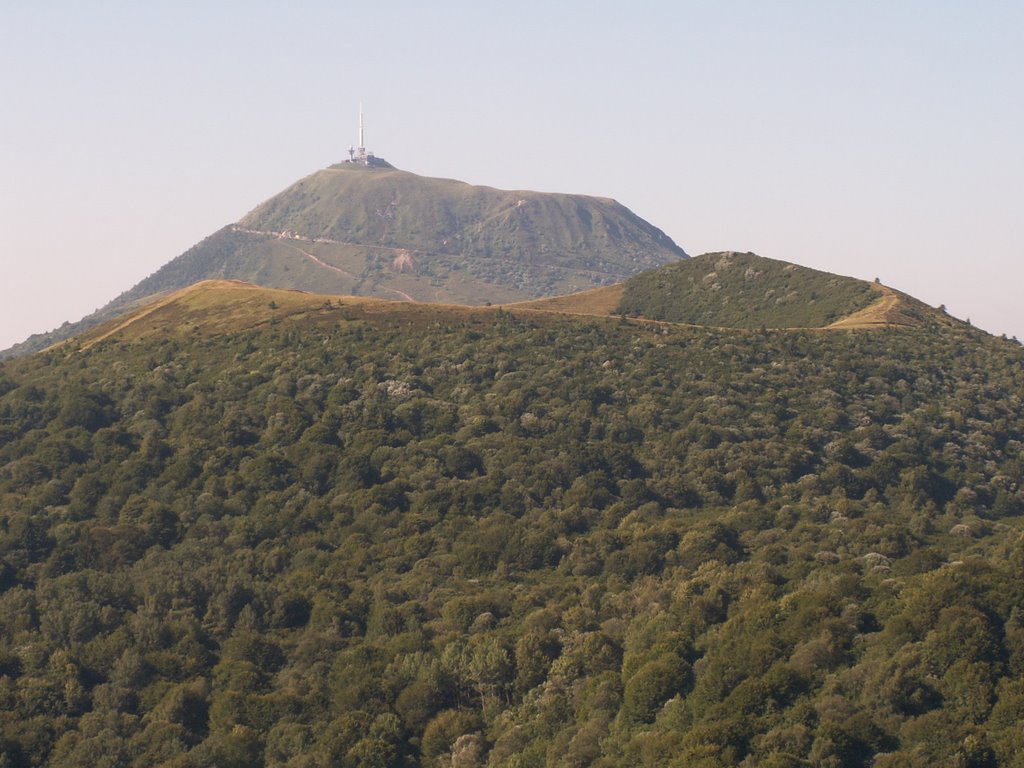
(362, 538)
(744, 290)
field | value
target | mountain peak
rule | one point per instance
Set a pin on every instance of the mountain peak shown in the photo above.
(363, 227)
(368, 163)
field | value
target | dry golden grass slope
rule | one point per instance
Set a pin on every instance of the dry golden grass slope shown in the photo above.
(228, 306)
(212, 305)
(597, 301)
(893, 308)
(225, 306)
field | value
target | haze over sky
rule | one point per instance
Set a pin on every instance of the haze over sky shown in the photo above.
(869, 139)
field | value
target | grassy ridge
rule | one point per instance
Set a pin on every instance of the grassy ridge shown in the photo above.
(743, 290)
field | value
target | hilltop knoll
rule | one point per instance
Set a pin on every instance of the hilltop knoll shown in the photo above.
(743, 290)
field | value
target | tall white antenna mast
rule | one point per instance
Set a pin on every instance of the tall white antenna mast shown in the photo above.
(362, 144)
(359, 154)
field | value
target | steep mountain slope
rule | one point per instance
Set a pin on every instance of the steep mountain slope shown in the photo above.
(379, 231)
(250, 527)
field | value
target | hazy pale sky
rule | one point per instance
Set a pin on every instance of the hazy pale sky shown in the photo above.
(865, 138)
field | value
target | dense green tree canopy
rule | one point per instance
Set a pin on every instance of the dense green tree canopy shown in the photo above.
(489, 539)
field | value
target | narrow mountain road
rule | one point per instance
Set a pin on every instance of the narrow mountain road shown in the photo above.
(319, 261)
(293, 237)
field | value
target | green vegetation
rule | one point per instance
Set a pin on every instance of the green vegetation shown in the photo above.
(743, 290)
(394, 209)
(383, 232)
(355, 537)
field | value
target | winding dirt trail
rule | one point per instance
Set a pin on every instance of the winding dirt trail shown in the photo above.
(403, 294)
(288, 237)
(320, 262)
(133, 318)
(889, 310)
(317, 260)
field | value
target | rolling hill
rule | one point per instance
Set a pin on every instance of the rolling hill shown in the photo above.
(744, 290)
(678, 294)
(378, 231)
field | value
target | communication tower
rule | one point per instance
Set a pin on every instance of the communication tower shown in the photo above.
(359, 154)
